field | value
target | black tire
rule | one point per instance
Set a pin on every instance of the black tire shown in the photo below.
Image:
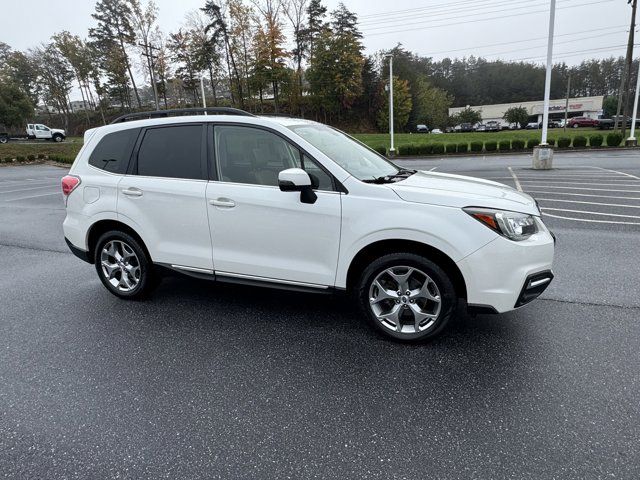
(575, 125)
(4, 139)
(147, 279)
(448, 297)
(58, 138)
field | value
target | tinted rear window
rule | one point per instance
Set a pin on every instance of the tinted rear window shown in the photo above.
(114, 150)
(171, 152)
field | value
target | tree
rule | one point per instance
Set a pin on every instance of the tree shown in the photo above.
(402, 105)
(609, 106)
(182, 47)
(431, 104)
(295, 11)
(55, 77)
(143, 21)
(219, 29)
(468, 115)
(315, 24)
(517, 115)
(114, 32)
(207, 51)
(15, 106)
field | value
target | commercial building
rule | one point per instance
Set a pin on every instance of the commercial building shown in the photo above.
(578, 107)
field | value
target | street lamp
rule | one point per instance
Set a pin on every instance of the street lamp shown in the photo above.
(392, 150)
(631, 141)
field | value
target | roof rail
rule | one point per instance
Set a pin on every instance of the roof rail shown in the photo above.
(176, 112)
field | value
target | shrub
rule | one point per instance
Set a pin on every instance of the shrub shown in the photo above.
(425, 149)
(517, 144)
(463, 147)
(451, 148)
(579, 141)
(596, 140)
(564, 142)
(504, 145)
(380, 150)
(614, 139)
(551, 142)
(404, 150)
(8, 159)
(490, 145)
(438, 148)
(20, 158)
(476, 146)
(31, 157)
(533, 142)
(40, 156)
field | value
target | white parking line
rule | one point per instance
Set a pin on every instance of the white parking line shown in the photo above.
(432, 169)
(590, 213)
(587, 203)
(591, 189)
(612, 222)
(31, 188)
(564, 182)
(32, 196)
(515, 179)
(583, 195)
(616, 171)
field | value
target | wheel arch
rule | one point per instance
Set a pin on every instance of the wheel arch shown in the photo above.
(101, 226)
(384, 247)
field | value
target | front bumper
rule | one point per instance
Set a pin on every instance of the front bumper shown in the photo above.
(501, 275)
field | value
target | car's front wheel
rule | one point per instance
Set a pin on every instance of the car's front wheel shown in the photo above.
(123, 265)
(406, 297)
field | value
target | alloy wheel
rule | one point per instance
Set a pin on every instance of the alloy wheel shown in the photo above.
(120, 265)
(405, 300)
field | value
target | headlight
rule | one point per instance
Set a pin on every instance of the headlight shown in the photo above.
(513, 225)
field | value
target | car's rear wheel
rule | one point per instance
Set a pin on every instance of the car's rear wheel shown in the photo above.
(575, 125)
(406, 297)
(123, 265)
(58, 138)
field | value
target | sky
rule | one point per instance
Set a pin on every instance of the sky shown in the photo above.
(506, 29)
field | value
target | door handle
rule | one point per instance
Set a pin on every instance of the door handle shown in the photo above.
(132, 192)
(223, 202)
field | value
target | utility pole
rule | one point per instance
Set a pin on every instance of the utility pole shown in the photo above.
(392, 150)
(148, 53)
(566, 103)
(625, 83)
(547, 81)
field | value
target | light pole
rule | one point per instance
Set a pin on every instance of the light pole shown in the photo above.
(631, 141)
(392, 150)
(204, 100)
(547, 81)
(543, 153)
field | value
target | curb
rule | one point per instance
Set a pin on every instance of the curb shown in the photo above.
(510, 152)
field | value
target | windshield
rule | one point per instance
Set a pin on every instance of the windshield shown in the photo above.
(357, 159)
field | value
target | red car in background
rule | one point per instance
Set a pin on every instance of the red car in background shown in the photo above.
(576, 122)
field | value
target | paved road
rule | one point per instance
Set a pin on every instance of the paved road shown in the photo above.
(212, 381)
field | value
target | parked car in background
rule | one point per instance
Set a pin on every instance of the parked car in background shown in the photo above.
(465, 127)
(608, 123)
(532, 126)
(437, 131)
(295, 204)
(577, 122)
(492, 126)
(421, 128)
(550, 124)
(42, 132)
(481, 127)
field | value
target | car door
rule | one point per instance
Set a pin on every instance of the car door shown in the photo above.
(260, 232)
(42, 131)
(163, 196)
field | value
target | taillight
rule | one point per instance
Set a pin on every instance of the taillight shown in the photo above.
(69, 184)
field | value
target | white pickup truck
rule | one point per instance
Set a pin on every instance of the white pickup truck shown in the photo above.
(40, 131)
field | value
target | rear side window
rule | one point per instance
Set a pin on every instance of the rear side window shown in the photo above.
(114, 150)
(171, 152)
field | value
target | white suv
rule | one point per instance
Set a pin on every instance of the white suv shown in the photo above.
(295, 204)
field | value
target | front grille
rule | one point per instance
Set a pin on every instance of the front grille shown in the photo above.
(534, 285)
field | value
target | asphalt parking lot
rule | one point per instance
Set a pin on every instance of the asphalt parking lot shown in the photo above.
(214, 381)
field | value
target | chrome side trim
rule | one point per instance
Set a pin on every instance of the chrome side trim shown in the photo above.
(193, 269)
(271, 280)
(537, 283)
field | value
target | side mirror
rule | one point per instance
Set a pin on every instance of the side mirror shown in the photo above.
(297, 180)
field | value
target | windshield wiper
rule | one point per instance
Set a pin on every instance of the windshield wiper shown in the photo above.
(399, 175)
